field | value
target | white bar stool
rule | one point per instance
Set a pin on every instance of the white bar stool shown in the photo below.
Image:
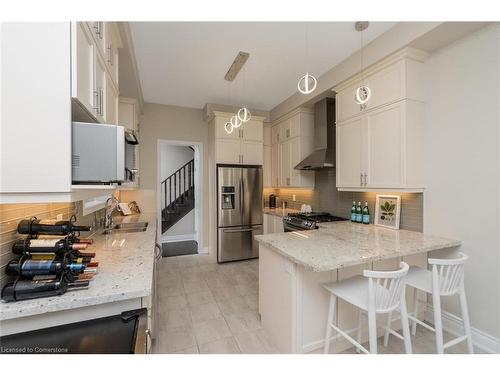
(375, 292)
(446, 278)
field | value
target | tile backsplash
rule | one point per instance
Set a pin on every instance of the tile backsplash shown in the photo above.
(326, 197)
(11, 214)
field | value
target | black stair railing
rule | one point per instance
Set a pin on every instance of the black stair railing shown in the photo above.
(176, 188)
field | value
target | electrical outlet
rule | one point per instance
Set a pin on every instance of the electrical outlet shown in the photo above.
(294, 197)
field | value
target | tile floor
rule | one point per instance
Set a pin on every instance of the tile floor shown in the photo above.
(205, 307)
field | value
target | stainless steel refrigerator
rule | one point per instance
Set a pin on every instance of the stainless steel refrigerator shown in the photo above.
(239, 212)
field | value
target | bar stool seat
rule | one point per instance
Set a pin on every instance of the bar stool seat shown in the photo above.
(354, 290)
(419, 278)
(376, 292)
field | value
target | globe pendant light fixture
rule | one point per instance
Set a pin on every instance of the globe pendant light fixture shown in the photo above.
(307, 83)
(244, 114)
(228, 127)
(235, 121)
(363, 92)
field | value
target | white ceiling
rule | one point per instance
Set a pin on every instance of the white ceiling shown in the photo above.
(184, 63)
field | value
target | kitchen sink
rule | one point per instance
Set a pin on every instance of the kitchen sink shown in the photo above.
(127, 228)
(140, 224)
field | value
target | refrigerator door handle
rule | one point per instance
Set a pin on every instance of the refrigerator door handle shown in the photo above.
(241, 199)
(238, 230)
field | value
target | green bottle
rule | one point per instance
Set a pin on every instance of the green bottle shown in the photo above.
(353, 212)
(366, 214)
(359, 213)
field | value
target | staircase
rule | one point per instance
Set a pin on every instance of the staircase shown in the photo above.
(177, 195)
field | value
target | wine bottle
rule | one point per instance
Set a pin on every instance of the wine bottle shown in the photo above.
(71, 238)
(28, 289)
(31, 268)
(54, 227)
(45, 246)
(353, 211)
(366, 214)
(359, 213)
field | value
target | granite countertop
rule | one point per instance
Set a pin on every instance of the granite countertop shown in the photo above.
(344, 244)
(278, 211)
(125, 272)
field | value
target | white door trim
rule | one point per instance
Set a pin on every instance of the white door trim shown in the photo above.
(198, 178)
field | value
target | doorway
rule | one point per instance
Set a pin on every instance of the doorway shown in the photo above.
(179, 197)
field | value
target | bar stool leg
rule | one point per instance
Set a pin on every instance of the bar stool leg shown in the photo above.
(465, 318)
(372, 328)
(386, 333)
(331, 315)
(415, 311)
(404, 323)
(360, 321)
(436, 304)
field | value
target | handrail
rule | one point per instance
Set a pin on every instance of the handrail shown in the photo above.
(189, 162)
(183, 181)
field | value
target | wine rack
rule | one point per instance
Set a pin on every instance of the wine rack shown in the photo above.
(49, 271)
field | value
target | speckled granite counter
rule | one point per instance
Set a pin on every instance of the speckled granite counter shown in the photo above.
(278, 211)
(125, 272)
(344, 244)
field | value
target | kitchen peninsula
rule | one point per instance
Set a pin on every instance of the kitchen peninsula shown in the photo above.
(293, 265)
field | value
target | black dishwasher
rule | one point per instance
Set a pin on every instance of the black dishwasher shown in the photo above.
(125, 333)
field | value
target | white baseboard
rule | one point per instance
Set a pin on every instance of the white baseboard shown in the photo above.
(179, 237)
(203, 250)
(454, 326)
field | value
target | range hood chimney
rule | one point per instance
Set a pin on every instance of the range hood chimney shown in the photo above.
(324, 137)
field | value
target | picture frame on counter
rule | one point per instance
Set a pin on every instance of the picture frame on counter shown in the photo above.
(387, 211)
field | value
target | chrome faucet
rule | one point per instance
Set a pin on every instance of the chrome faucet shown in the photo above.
(108, 214)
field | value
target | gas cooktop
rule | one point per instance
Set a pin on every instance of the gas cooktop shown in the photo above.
(307, 220)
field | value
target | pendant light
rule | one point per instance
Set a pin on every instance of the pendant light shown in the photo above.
(307, 83)
(235, 121)
(363, 92)
(244, 114)
(228, 126)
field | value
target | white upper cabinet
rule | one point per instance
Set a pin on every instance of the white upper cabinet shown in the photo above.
(100, 88)
(244, 145)
(395, 78)
(292, 140)
(83, 66)
(267, 166)
(128, 113)
(112, 42)
(94, 73)
(379, 144)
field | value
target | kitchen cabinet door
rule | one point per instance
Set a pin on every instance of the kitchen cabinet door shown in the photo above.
(251, 153)
(350, 153)
(300, 147)
(346, 106)
(100, 87)
(285, 163)
(286, 130)
(267, 136)
(267, 166)
(112, 101)
(82, 67)
(275, 134)
(111, 52)
(252, 131)
(385, 152)
(128, 113)
(278, 224)
(275, 165)
(98, 33)
(228, 151)
(221, 133)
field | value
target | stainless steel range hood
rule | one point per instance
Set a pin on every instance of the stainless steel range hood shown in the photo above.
(324, 137)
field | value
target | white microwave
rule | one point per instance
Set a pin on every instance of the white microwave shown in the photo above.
(98, 153)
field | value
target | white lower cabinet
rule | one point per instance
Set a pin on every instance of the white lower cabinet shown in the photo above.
(273, 224)
(382, 149)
